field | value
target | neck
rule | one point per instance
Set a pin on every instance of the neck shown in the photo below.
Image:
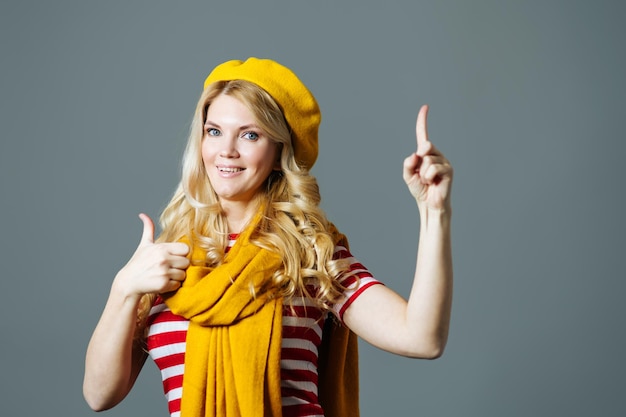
(238, 214)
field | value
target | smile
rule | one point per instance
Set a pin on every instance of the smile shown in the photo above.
(229, 169)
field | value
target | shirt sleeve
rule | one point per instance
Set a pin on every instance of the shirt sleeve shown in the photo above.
(356, 281)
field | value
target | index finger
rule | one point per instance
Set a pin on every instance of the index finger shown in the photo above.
(421, 127)
(177, 248)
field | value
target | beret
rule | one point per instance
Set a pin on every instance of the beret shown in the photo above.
(295, 100)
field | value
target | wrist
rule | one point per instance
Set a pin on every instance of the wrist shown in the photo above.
(121, 290)
(435, 217)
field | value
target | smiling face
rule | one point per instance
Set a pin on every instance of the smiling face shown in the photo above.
(238, 156)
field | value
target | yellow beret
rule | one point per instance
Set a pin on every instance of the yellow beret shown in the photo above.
(296, 101)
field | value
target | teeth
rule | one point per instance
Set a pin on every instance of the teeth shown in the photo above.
(223, 169)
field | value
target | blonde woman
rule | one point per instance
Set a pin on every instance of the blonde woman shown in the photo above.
(250, 301)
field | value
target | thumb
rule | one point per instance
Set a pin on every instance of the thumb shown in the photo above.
(148, 229)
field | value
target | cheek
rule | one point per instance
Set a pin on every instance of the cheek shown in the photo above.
(271, 161)
(205, 152)
(262, 159)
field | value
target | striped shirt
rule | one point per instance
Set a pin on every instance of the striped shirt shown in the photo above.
(302, 334)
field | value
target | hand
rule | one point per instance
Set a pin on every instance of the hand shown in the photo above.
(427, 173)
(154, 267)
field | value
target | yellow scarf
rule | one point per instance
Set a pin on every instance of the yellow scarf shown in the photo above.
(232, 360)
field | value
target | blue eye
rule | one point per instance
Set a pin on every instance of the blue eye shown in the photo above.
(211, 131)
(250, 135)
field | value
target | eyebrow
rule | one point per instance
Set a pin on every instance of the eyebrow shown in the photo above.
(244, 127)
(210, 123)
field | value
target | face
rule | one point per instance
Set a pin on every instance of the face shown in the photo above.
(238, 156)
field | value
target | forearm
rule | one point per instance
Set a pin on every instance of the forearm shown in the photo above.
(430, 301)
(418, 327)
(112, 361)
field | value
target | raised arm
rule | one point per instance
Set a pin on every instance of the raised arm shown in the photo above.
(417, 327)
(113, 360)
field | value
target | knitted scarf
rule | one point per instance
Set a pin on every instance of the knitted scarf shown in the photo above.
(232, 359)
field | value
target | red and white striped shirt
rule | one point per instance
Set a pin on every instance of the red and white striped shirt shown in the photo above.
(302, 334)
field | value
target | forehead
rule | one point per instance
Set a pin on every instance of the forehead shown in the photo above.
(228, 108)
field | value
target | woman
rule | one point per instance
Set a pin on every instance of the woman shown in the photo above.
(250, 300)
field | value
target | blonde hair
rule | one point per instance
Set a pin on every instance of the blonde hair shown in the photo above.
(293, 225)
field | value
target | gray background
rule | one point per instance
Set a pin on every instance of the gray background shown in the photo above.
(527, 101)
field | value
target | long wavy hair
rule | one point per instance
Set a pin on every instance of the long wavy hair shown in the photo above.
(293, 225)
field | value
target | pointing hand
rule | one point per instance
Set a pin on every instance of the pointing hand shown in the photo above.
(427, 173)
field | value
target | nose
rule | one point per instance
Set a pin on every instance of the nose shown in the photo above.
(229, 148)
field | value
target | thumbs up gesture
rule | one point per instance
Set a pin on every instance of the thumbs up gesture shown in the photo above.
(427, 173)
(154, 267)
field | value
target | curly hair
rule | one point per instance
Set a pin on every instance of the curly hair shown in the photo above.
(293, 225)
